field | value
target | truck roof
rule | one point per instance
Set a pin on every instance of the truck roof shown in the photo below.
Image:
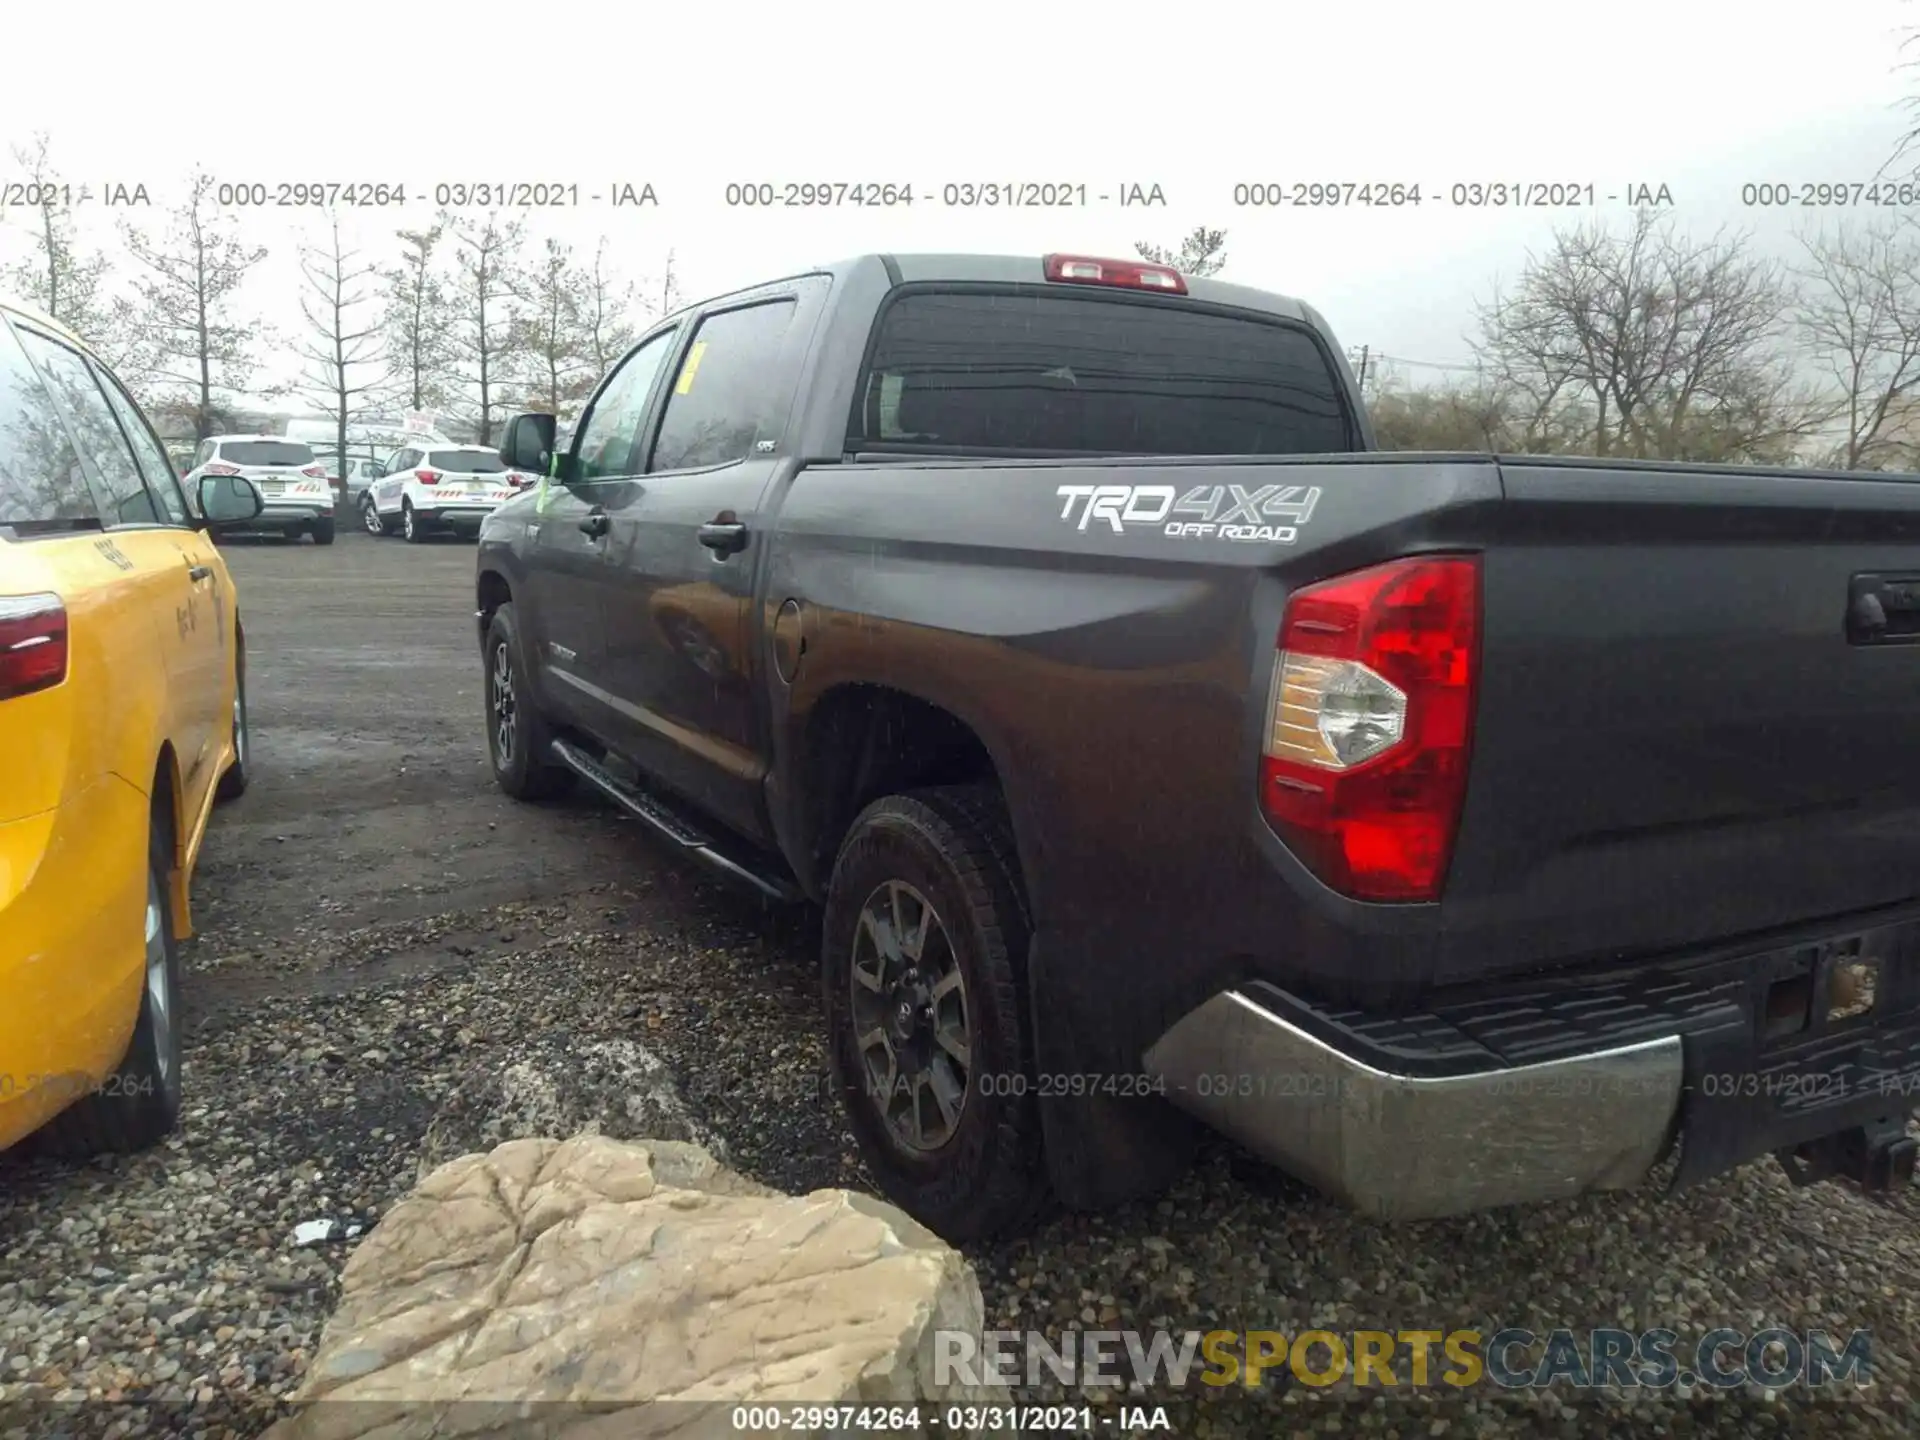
(1016, 269)
(911, 268)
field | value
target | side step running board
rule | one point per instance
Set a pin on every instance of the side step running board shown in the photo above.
(668, 823)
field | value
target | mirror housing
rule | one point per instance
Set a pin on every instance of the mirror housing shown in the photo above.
(228, 500)
(528, 443)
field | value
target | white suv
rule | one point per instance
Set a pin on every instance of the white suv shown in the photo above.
(298, 494)
(426, 487)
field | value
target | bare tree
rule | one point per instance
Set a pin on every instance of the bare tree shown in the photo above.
(1201, 253)
(185, 322)
(417, 321)
(1906, 150)
(1859, 320)
(1657, 345)
(342, 346)
(1465, 413)
(663, 297)
(483, 314)
(58, 275)
(606, 307)
(553, 338)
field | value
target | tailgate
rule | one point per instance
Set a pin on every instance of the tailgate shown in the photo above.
(1676, 739)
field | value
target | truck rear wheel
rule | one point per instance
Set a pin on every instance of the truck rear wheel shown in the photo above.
(517, 733)
(923, 981)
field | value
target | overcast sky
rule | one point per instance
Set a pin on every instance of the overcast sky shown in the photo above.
(1698, 96)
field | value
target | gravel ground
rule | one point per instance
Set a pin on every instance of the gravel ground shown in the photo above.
(378, 926)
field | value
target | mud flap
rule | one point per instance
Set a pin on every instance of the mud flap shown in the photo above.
(1115, 1143)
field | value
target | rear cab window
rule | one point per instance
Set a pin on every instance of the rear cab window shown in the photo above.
(1042, 371)
(277, 454)
(736, 378)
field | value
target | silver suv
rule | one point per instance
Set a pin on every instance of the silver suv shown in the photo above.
(298, 494)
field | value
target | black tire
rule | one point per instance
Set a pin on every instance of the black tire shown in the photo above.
(370, 518)
(953, 847)
(411, 529)
(140, 1102)
(517, 740)
(322, 531)
(233, 784)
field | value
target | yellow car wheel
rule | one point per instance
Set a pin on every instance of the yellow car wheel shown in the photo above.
(233, 784)
(139, 1103)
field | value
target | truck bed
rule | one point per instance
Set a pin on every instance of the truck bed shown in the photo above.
(1674, 739)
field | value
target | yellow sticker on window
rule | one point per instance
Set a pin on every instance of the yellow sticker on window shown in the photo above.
(688, 370)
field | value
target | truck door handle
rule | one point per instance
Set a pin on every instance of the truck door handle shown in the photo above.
(724, 537)
(595, 524)
(1883, 610)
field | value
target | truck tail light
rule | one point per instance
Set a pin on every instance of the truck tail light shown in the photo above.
(427, 477)
(1127, 274)
(33, 643)
(1371, 714)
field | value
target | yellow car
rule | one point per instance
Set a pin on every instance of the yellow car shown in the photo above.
(123, 715)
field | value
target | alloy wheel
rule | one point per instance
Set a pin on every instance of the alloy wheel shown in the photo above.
(505, 706)
(159, 980)
(911, 1021)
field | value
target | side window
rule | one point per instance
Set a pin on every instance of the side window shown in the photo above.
(147, 451)
(613, 424)
(124, 498)
(731, 385)
(40, 476)
(202, 455)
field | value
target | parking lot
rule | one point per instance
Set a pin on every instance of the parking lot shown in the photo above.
(380, 928)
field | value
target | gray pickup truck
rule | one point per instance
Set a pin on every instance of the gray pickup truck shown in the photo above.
(1450, 830)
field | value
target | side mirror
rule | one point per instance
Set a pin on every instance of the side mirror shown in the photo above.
(228, 500)
(528, 443)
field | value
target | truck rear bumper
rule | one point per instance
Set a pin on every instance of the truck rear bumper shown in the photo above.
(1806, 1048)
(1408, 1147)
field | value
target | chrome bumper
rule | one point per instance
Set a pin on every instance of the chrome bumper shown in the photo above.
(1403, 1147)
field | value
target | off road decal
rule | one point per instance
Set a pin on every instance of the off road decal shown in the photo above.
(1270, 514)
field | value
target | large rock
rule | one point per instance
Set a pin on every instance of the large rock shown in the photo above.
(595, 1287)
(558, 1085)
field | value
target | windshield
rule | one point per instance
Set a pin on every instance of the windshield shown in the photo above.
(1096, 375)
(266, 452)
(466, 462)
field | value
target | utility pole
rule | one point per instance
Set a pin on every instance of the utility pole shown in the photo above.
(1361, 379)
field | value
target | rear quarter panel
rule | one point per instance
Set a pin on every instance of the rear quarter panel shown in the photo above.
(1110, 676)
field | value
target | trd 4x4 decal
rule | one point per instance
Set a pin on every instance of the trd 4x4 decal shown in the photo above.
(1269, 513)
